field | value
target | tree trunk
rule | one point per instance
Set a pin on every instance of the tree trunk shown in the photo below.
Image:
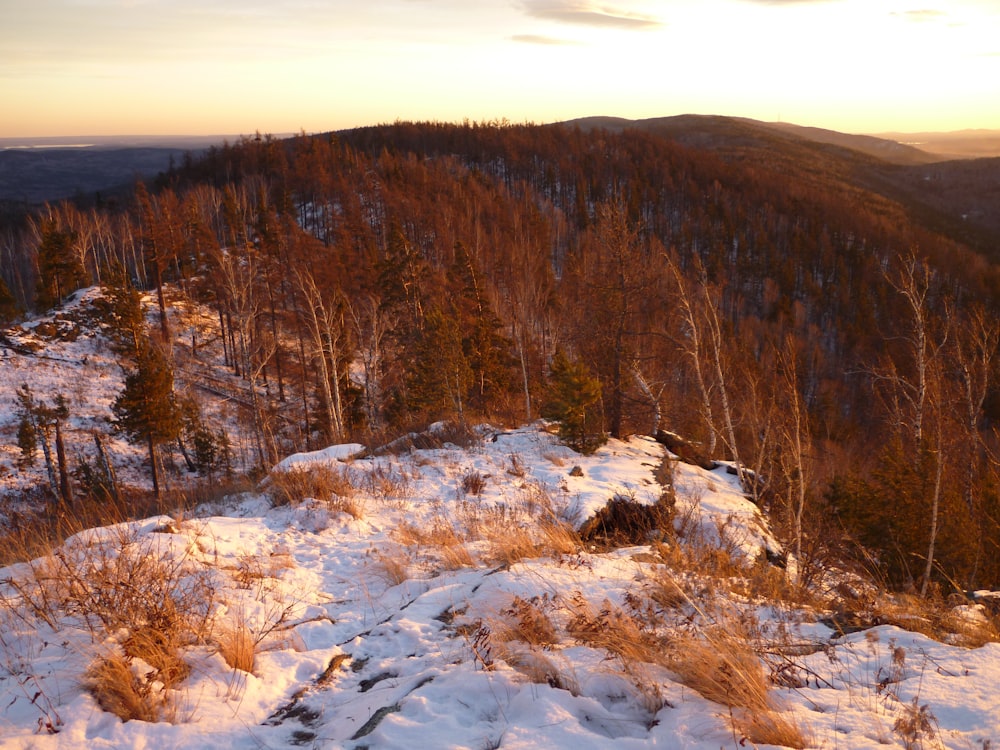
(65, 488)
(154, 470)
(106, 468)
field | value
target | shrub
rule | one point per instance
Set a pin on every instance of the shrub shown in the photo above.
(623, 521)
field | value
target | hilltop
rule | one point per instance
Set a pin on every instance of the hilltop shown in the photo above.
(438, 597)
(812, 313)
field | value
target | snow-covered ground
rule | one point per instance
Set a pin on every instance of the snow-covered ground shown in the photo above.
(374, 632)
(67, 352)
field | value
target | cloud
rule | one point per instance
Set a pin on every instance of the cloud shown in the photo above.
(788, 2)
(921, 16)
(582, 12)
(539, 39)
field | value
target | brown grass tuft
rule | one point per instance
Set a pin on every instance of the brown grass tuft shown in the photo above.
(613, 630)
(720, 666)
(329, 484)
(541, 669)
(238, 647)
(161, 651)
(769, 728)
(120, 690)
(393, 565)
(441, 539)
(525, 620)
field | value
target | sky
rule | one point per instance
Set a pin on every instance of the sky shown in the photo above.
(206, 67)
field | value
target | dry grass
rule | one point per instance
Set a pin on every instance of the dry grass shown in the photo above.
(769, 728)
(118, 689)
(554, 458)
(114, 581)
(393, 565)
(28, 536)
(441, 539)
(472, 482)
(385, 483)
(527, 621)
(541, 669)
(935, 618)
(332, 485)
(238, 647)
(719, 665)
(613, 630)
(162, 651)
(139, 593)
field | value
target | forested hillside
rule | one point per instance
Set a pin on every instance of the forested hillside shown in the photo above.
(778, 303)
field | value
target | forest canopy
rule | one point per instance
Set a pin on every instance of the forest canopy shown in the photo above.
(832, 342)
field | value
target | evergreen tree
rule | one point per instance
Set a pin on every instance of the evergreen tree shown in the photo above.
(486, 350)
(37, 422)
(439, 379)
(9, 309)
(60, 272)
(27, 439)
(146, 410)
(124, 310)
(574, 396)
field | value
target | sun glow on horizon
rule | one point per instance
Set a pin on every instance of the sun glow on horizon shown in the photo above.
(108, 67)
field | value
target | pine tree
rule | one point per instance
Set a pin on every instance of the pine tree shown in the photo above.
(124, 310)
(439, 379)
(574, 395)
(37, 422)
(486, 350)
(27, 440)
(60, 272)
(9, 309)
(146, 410)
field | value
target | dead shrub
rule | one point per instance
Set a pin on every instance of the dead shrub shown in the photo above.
(473, 482)
(525, 620)
(115, 581)
(914, 724)
(135, 591)
(624, 522)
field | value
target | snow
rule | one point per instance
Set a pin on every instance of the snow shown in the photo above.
(353, 656)
(324, 457)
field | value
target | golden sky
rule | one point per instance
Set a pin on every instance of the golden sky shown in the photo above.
(116, 67)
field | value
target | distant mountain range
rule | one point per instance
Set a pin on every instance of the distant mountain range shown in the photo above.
(35, 170)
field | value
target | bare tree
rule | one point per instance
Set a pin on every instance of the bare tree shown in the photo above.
(975, 346)
(912, 384)
(324, 320)
(693, 348)
(372, 324)
(237, 273)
